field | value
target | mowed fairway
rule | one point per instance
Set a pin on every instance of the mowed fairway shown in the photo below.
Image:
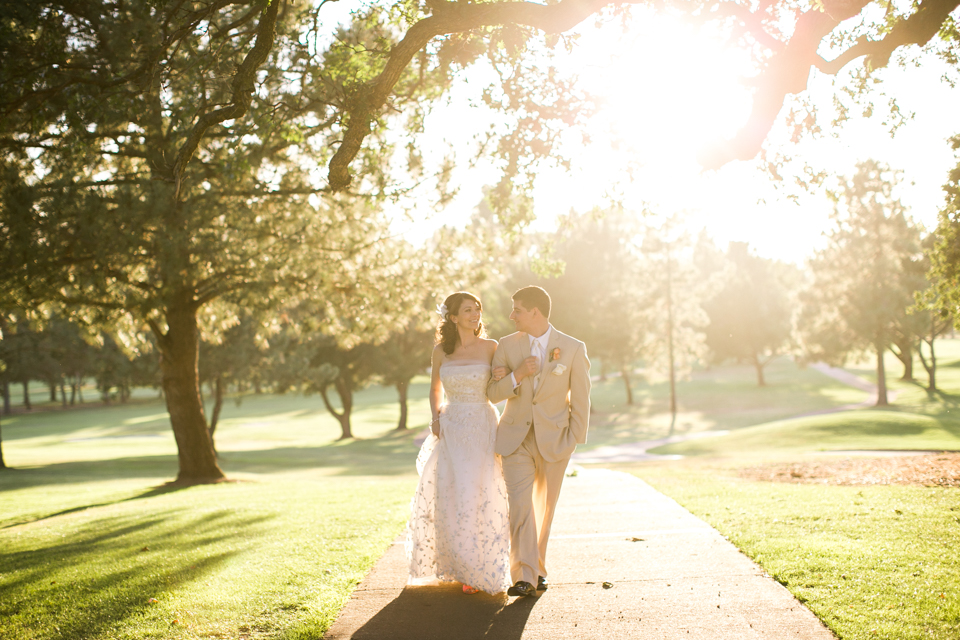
(719, 398)
(94, 547)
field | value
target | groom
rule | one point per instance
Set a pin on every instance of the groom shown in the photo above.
(546, 417)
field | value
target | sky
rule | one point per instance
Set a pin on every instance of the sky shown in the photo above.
(665, 91)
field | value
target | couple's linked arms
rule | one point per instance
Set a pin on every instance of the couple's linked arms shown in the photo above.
(500, 390)
(503, 389)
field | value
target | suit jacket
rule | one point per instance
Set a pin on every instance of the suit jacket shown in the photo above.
(558, 410)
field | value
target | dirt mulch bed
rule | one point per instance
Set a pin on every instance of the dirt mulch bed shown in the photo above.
(930, 469)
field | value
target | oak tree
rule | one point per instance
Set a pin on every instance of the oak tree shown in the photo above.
(862, 287)
(158, 159)
(751, 317)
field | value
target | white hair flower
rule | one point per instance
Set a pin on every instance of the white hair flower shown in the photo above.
(442, 310)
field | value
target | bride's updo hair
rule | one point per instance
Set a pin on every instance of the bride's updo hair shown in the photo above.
(447, 335)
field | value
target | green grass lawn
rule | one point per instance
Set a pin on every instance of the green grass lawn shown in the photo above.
(848, 430)
(271, 558)
(93, 546)
(871, 561)
(719, 398)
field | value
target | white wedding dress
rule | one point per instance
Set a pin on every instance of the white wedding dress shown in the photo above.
(459, 529)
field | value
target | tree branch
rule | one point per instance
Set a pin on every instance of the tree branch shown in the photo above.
(243, 87)
(789, 69)
(786, 73)
(919, 29)
(448, 17)
(326, 402)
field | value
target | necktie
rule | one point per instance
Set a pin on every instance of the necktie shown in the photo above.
(538, 354)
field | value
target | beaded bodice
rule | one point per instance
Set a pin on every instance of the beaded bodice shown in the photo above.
(465, 382)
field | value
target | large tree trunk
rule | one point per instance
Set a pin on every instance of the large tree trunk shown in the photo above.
(217, 406)
(345, 391)
(904, 353)
(179, 353)
(63, 392)
(758, 364)
(6, 398)
(881, 376)
(3, 465)
(52, 385)
(931, 366)
(402, 388)
(673, 373)
(26, 395)
(625, 374)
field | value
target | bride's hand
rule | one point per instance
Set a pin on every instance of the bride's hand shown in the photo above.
(499, 373)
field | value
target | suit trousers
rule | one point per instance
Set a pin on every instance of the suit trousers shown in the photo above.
(533, 487)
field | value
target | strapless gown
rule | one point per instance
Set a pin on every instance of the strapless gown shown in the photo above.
(459, 528)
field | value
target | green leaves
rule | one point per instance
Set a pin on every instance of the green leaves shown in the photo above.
(864, 281)
(944, 274)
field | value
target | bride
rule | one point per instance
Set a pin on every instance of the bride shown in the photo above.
(458, 529)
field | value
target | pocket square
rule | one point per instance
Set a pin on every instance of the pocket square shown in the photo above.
(558, 370)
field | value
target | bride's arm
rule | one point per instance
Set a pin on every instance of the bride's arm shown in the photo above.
(497, 373)
(436, 390)
(500, 390)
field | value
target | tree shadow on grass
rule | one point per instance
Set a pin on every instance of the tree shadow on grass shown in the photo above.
(88, 581)
(949, 400)
(442, 612)
(168, 487)
(890, 428)
(392, 454)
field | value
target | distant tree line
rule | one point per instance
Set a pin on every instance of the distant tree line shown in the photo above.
(643, 291)
(59, 355)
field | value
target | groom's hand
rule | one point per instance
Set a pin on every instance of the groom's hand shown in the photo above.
(528, 368)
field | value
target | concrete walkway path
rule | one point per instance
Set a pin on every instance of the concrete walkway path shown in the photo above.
(672, 577)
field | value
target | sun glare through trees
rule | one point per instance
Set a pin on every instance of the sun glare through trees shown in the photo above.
(230, 231)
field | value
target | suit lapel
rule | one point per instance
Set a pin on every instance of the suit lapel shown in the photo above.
(524, 346)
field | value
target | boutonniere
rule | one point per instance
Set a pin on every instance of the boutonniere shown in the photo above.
(555, 354)
(559, 369)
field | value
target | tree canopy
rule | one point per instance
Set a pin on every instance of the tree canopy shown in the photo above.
(751, 315)
(864, 281)
(162, 163)
(157, 168)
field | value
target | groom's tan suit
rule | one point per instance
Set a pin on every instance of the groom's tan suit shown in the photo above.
(545, 418)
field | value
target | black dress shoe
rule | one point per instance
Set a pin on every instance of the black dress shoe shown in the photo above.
(522, 588)
(542, 583)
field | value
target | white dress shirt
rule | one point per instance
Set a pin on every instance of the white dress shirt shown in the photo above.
(542, 354)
